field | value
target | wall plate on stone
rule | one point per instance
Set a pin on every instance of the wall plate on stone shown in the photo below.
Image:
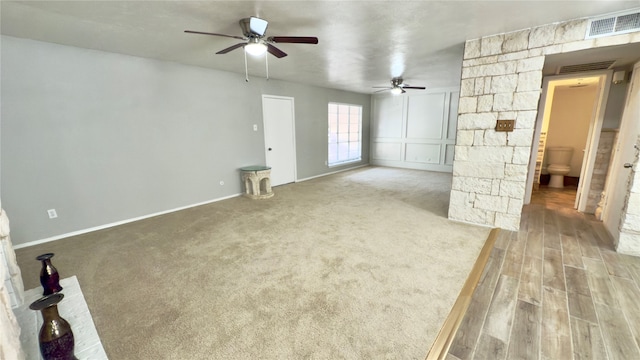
(505, 125)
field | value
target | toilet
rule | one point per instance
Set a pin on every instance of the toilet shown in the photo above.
(558, 160)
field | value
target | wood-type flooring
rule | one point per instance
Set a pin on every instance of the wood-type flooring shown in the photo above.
(555, 289)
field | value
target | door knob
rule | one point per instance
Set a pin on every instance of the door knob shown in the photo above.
(627, 165)
(269, 149)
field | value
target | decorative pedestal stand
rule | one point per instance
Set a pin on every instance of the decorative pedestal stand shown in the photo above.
(257, 181)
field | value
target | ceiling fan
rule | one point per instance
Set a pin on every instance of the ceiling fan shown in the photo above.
(255, 43)
(398, 87)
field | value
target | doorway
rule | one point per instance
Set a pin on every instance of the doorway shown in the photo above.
(570, 115)
(279, 138)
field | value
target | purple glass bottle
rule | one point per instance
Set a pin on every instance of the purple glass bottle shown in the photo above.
(55, 337)
(49, 277)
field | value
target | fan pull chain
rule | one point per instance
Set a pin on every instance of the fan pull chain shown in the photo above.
(266, 63)
(246, 69)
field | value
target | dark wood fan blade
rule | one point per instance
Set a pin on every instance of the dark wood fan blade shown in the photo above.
(224, 51)
(208, 33)
(414, 87)
(403, 91)
(294, 39)
(275, 51)
(385, 89)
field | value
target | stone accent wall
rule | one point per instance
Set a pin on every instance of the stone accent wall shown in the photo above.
(11, 295)
(12, 279)
(608, 138)
(629, 241)
(502, 79)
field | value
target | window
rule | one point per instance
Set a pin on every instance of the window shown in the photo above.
(345, 133)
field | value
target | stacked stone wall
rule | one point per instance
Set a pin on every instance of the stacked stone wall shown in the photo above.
(629, 242)
(608, 139)
(502, 79)
(11, 295)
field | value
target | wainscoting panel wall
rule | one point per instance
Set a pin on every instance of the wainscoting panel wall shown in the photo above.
(391, 112)
(416, 130)
(391, 151)
(421, 110)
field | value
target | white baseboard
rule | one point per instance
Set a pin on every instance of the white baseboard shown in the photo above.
(333, 172)
(105, 226)
(84, 231)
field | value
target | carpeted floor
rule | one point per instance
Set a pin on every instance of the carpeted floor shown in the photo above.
(357, 265)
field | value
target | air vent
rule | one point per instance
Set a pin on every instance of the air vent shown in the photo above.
(619, 23)
(570, 69)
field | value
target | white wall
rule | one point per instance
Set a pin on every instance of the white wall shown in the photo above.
(415, 130)
(615, 103)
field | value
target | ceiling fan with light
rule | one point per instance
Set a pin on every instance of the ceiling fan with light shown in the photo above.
(398, 87)
(255, 43)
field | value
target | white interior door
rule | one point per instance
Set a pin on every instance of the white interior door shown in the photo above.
(593, 139)
(543, 107)
(618, 187)
(279, 138)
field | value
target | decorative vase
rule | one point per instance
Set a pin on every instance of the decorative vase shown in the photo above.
(55, 338)
(49, 277)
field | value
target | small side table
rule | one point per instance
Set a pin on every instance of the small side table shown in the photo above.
(257, 181)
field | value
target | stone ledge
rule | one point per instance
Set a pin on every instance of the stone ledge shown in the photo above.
(72, 308)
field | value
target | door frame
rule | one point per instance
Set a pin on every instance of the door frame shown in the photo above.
(612, 175)
(293, 131)
(593, 137)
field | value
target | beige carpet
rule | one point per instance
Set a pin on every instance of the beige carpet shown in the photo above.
(357, 265)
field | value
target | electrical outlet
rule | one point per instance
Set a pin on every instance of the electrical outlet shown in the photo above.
(52, 213)
(255, 127)
(505, 125)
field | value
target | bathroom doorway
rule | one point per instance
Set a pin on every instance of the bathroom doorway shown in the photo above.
(570, 115)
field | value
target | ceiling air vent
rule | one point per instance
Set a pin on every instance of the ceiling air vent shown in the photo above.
(619, 23)
(570, 69)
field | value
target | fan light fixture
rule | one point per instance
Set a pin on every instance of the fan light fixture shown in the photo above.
(255, 48)
(397, 87)
(255, 43)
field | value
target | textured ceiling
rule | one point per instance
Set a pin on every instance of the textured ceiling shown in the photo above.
(361, 43)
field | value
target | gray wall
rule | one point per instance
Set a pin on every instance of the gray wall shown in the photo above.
(615, 104)
(104, 137)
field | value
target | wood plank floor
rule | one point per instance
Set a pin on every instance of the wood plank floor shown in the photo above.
(556, 289)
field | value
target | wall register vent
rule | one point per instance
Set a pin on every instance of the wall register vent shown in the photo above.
(570, 69)
(614, 24)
